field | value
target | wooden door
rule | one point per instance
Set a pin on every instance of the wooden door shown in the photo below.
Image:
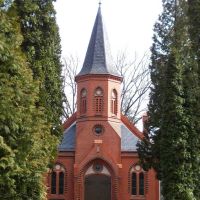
(97, 187)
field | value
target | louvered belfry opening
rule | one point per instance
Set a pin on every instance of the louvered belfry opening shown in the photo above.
(98, 100)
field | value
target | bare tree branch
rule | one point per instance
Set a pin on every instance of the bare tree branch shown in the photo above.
(135, 85)
(70, 68)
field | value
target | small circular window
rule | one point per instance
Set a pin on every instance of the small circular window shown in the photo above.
(137, 168)
(97, 167)
(98, 129)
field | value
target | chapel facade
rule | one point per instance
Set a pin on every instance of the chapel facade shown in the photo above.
(97, 157)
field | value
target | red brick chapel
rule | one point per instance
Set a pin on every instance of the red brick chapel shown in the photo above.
(97, 157)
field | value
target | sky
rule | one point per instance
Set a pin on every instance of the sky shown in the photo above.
(129, 24)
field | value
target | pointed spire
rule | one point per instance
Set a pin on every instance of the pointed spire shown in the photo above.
(98, 59)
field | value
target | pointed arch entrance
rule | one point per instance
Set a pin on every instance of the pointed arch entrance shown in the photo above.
(98, 181)
(97, 186)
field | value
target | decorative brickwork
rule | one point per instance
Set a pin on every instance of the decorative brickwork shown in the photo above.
(99, 143)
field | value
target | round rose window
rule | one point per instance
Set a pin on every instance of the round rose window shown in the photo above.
(98, 129)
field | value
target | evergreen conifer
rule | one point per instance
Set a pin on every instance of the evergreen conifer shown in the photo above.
(41, 45)
(166, 146)
(26, 144)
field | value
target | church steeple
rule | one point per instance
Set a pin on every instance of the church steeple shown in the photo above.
(98, 82)
(98, 59)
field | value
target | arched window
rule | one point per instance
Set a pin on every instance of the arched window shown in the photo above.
(58, 179)
(134, 184)
(114, 102)
(83, 102)
(137, 181)
(53, 183)
(61, 183)
(141, 183)
(98, 100)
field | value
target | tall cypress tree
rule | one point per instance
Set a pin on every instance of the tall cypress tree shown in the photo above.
(42, 47)
(15, 82)
(166, 146)
(192, 85)
(20, 165)
(26, 144)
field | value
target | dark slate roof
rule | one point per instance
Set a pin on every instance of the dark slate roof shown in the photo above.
(128, 139)
(68, 141)
(98, 58)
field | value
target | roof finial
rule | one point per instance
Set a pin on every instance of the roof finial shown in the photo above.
(100, 3)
